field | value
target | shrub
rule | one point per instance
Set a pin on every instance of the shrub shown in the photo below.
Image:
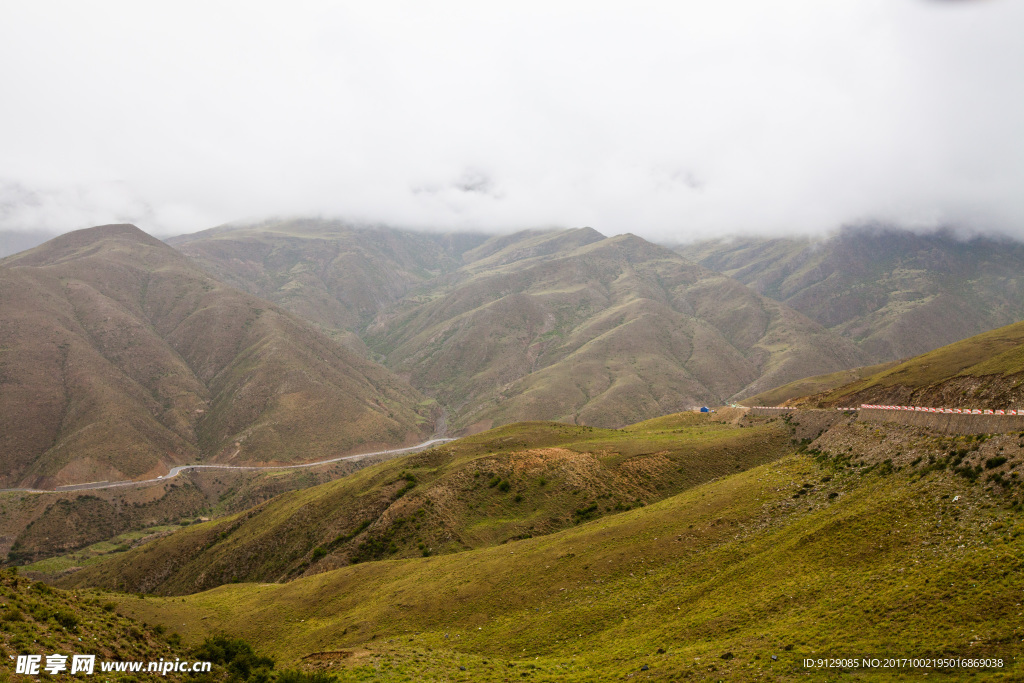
(234, 654)
(66, 619)
(12, 614)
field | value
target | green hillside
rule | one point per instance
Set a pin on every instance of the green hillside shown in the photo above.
(820, 554)
(119, 358)
(814, 385)
(892, 292)
(36, 619)
(514, 482)
(984, 371)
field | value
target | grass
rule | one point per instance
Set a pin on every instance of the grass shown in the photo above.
(814, 385)
(712, 582)
(996, 353)
(38, 619)
(514, 482)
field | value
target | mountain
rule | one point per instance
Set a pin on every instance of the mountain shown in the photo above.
(120, 358)
(984, 371)
(518, 481)
(576, 327)
(335, 274)
(893, 293)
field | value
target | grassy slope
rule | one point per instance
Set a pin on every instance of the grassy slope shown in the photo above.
(517, 481)
(37, 619)
(984, 371)
(795, 558)
(814, 385)
(894, 293)
(576, 327)
(119, 358)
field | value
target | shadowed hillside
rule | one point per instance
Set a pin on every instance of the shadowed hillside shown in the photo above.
(77, 526)
(894, 293)
(119, 358)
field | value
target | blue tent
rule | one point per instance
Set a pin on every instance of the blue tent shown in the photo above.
(704, 409)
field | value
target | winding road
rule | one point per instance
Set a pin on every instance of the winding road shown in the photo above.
(175, 471)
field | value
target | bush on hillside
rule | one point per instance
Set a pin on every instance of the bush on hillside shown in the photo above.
(236, 656)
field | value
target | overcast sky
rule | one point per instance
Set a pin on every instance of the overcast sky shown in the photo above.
(672, 120)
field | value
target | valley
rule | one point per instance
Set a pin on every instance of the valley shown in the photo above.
(567, 325)
(581, 523)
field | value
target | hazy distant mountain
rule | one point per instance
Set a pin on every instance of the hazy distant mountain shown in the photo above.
(335, 274)
(574, 326)
(119, 357)
(893, 293)
(13, 241)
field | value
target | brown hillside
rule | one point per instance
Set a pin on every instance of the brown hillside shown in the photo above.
(119, 358)
(336, 274)
(605, 331)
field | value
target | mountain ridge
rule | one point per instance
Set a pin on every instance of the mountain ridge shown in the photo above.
(892, 292)
(536, 332)
(120, 358)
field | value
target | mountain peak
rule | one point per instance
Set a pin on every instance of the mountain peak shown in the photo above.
(71, 243)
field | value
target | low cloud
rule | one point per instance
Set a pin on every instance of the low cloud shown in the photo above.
(672, 121)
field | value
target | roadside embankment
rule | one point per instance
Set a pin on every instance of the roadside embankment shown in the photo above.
(806, 424)
(946, 423)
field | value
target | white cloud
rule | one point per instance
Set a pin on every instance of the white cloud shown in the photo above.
(667, 119)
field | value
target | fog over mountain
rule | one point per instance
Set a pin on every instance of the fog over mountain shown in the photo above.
(673, 121)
